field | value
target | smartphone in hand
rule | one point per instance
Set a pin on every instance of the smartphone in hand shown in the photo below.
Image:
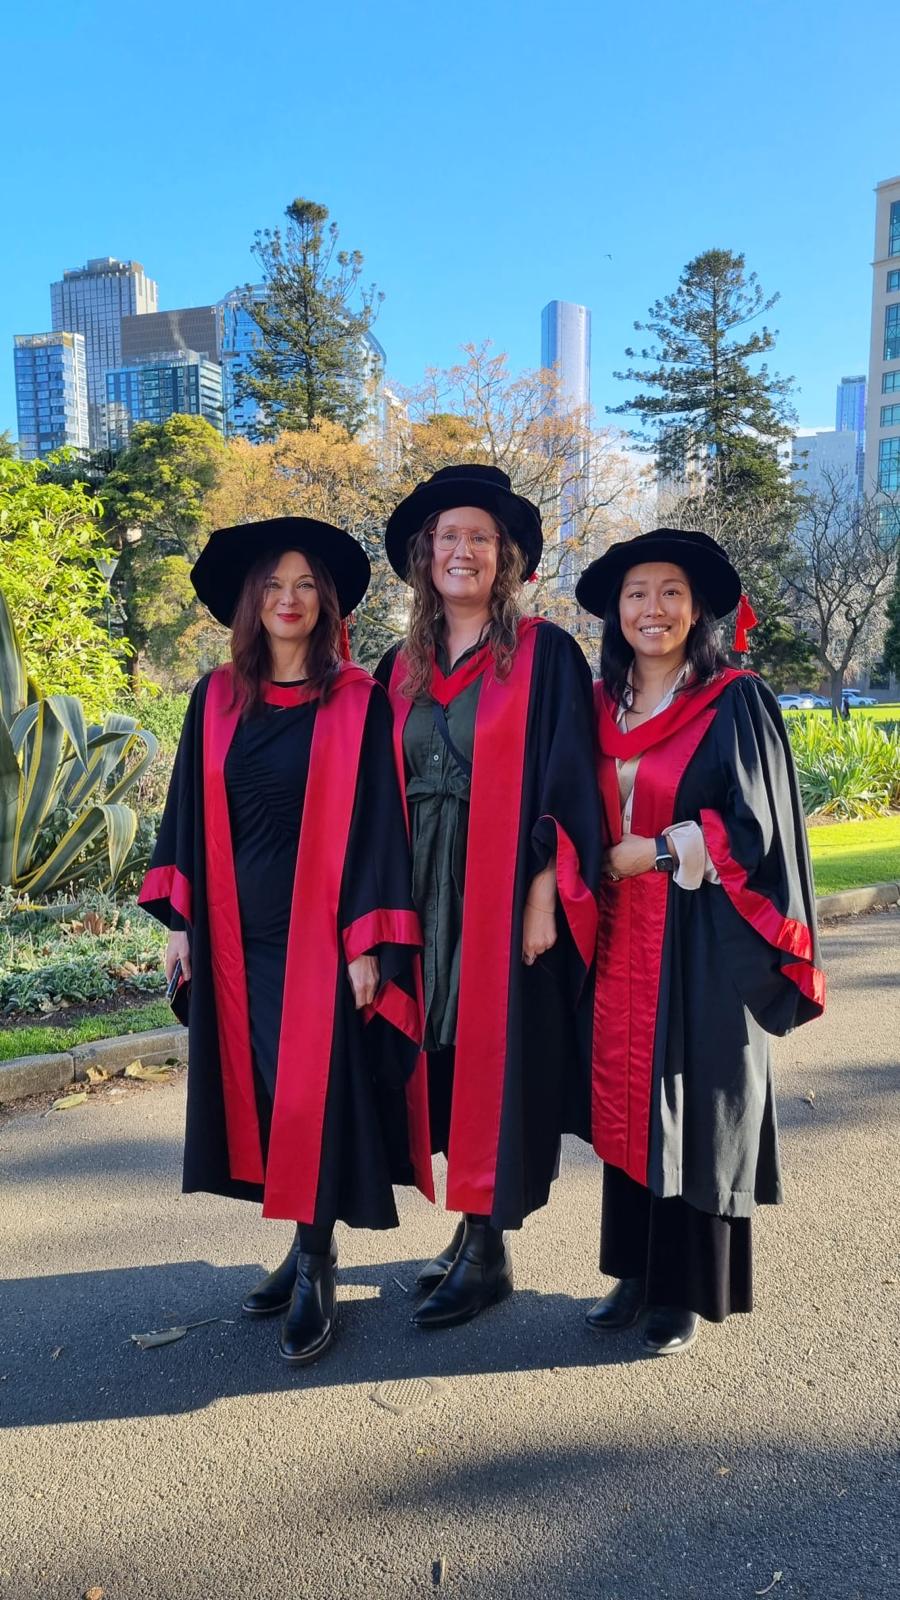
(174, 981)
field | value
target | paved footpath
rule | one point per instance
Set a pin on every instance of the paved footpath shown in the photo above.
(547, 1464)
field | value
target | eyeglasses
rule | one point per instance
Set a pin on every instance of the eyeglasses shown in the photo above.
(448, 540)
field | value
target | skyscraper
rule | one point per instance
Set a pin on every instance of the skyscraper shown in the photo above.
(566, 350)
(850, 417)
(159, 387)
(92, 301)
(51, 392)
(883, 402)
(157, 332)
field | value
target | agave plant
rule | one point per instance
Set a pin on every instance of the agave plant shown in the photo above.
(52, 761)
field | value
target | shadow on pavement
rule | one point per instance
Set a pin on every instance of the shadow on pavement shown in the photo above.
(843, 1095)
(67, 1353)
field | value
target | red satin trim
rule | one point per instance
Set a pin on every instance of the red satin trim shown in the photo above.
(399, 1009)
(445, 688)
(487, 933)
(312, 967)
(809, 980)
(784, 933)
(618, 742)
(381, 927)
(575, 897)
(167, 883)
(299, 694)
(220, 720)
(632, 924)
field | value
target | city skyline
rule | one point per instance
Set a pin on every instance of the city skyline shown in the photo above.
(585, 202)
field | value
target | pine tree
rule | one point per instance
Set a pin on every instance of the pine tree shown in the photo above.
(311, 361)
(704, 411)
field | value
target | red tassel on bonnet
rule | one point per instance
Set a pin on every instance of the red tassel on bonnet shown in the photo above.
(345, 640)
(745, 620)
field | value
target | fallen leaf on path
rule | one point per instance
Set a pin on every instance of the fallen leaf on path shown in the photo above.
(94, 1594)
(150, 1341)
(136, 1069)
(723, 1471)
(70, 1100)
(96, 1075)
(810, 1099)
(776, 1578)
(55, 1354)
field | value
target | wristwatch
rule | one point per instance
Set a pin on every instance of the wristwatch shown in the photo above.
(665, 861)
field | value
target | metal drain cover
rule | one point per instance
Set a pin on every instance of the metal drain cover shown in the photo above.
(405, 1394)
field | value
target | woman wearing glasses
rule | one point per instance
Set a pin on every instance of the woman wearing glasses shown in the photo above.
(494, 743)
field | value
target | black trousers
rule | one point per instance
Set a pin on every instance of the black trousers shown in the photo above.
(686, 1257)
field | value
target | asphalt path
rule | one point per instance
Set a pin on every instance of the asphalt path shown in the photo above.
(545, 1463)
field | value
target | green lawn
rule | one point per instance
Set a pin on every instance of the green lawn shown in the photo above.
(885, 713)
(38, 1041)
(850, 855)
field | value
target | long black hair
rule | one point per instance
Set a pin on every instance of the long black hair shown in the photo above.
(616, 656)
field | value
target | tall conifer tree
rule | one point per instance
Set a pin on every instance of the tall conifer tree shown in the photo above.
(311, 361)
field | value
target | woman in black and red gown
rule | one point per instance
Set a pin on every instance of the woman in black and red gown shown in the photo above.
(707, 938)
(282, 872)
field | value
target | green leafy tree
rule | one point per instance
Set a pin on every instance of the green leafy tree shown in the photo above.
(51, 539)
(310, 362)
(7, 446)
(706, 407)
(155, 506)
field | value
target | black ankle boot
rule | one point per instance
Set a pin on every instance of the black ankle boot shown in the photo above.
(618, 1309)
(480, 1276)
(308, 1328)
(669, 1330)
(273, 1293)
(431, 1274)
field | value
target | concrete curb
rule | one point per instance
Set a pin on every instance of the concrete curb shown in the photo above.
(850, 902)
(33, 1075)
(30, 1075)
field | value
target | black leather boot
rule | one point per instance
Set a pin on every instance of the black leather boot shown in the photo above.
(273, 1293)
(480, 1276)
(618, 1309)
(669, 1330)
(432, 1273)
(308, 1328)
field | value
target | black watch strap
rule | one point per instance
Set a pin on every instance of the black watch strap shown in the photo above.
(665, 861)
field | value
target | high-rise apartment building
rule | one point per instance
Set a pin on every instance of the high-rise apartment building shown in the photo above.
(883, 401)
(92, 300)
(51, 392)
(566, 351)
(150, 391)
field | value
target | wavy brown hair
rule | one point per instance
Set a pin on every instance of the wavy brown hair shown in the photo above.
(251, 655)
(426, 619)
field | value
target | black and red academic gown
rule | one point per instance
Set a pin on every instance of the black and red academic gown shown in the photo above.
(521, 1071)
(350, 1103)
(691, 983)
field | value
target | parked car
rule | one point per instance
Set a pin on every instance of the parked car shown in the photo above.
(799, 702)
(852, 697)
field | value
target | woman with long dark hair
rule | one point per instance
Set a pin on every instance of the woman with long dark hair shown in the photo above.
(282, 872)
(707, 938)
(493, 741)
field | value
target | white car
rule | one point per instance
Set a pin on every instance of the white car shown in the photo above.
(797, 702)
(854, 698)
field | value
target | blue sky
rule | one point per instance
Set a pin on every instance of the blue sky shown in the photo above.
(485, 158)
